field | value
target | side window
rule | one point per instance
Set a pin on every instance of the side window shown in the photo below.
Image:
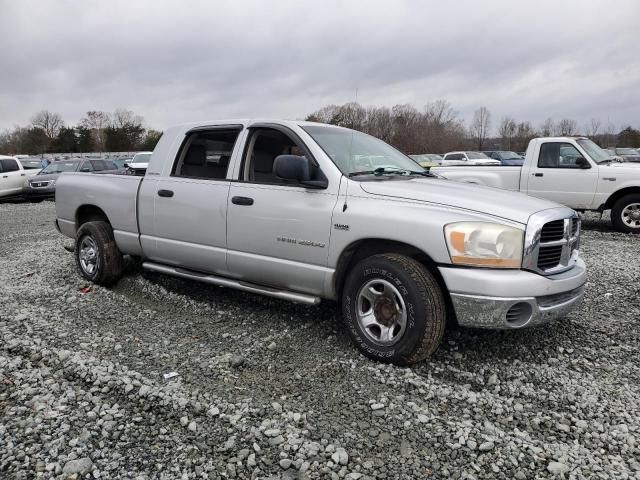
(9, 165)
(86, 166)
(558, 155)
(263, 146)
(206, 155)
(454, 156)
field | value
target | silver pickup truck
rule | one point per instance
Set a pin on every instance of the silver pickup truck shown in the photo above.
(304, 211)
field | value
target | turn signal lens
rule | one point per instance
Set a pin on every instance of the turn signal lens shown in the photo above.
(482, 244)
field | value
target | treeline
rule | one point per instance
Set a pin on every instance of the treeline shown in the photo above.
(98, 131)
(438, 129)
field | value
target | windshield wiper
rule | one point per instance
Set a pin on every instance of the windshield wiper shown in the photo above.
(392, 171)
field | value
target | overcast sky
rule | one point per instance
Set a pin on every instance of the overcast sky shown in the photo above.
(187, 60)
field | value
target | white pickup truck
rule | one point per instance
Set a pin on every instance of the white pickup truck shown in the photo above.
(572, 171)
(13, 175)
(304, 211)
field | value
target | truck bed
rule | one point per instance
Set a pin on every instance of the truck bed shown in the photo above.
(505, 178)
(115, 195)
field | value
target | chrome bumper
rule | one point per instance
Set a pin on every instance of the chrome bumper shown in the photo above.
(525, 299)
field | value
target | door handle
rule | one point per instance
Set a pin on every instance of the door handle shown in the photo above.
(242, 200)
(538, 174)
(22, 174)
(165, 193)
(5, 176)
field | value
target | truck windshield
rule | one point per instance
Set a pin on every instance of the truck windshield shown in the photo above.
(353, 151)
(597, 154)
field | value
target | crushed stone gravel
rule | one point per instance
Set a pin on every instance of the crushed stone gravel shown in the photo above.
(270, 389)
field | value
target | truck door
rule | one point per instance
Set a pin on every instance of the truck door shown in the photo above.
(278, 232)
(190, 203)
(11, 177)
(556, 174)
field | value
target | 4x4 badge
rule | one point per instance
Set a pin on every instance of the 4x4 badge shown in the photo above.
(340, 226)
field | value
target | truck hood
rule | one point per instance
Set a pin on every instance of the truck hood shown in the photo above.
(631, 167)
(512, 206)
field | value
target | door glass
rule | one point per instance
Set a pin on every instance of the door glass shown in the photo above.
(9, 165)
(206, 155)
(264, 146)
(558, 155)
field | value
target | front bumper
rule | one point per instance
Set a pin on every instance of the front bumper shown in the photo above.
(507, 299)
(39, 192)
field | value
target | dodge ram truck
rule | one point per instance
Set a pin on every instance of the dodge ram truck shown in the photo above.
(304, 211)
(572, 171)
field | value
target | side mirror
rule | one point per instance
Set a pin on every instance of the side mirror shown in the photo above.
(582, 163)
(297, 168)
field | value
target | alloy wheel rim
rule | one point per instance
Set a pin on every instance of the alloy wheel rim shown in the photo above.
(631, 215)
(88, 256)
(381, 312)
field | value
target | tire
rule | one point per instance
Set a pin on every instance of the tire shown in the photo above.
(625, 214)
(396, 284)
(97, 255)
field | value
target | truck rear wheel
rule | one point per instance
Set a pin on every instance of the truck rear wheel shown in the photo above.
(625, 214)
(97, 255)
(394, 309)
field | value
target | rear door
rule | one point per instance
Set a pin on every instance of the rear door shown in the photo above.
(278, 231)
(11, 177)
(190, 203)
(555, 175)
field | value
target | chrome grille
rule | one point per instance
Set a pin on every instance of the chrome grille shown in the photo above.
(552, 241)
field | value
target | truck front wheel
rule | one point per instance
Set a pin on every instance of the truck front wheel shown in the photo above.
(625, 214)
(394, 309)
(97, 255)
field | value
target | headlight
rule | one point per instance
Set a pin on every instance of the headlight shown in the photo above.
(51, 183)
(481, 244)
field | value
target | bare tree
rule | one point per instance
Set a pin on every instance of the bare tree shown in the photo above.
(97, 122)
(507, 131)
(566, 127)
(480, 126)
(547, 127)
(524, 133)
(592, 128)
(123, 118)
(49, 122)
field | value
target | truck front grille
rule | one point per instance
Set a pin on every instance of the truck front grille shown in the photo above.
(552, 231)
(552, 242)
(549, 257)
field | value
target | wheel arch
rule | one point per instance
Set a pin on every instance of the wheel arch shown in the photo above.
(617, 195)
(90, 213)
(364, 248)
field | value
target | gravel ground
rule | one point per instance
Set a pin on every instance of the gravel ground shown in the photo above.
(269, 389)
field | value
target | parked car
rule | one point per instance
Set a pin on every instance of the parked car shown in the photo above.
(628, 154)
(43, 185)
(467, 158)
(282, 208)
(506, 157)
(122, 162)
(139, 163)
(572, 171)
(427, 160)
(32, 164)
(12, 176)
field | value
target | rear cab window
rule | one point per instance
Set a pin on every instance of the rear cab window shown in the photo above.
(206, 154)
(8, 165)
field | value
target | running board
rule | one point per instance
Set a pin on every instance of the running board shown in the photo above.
(237, 284)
